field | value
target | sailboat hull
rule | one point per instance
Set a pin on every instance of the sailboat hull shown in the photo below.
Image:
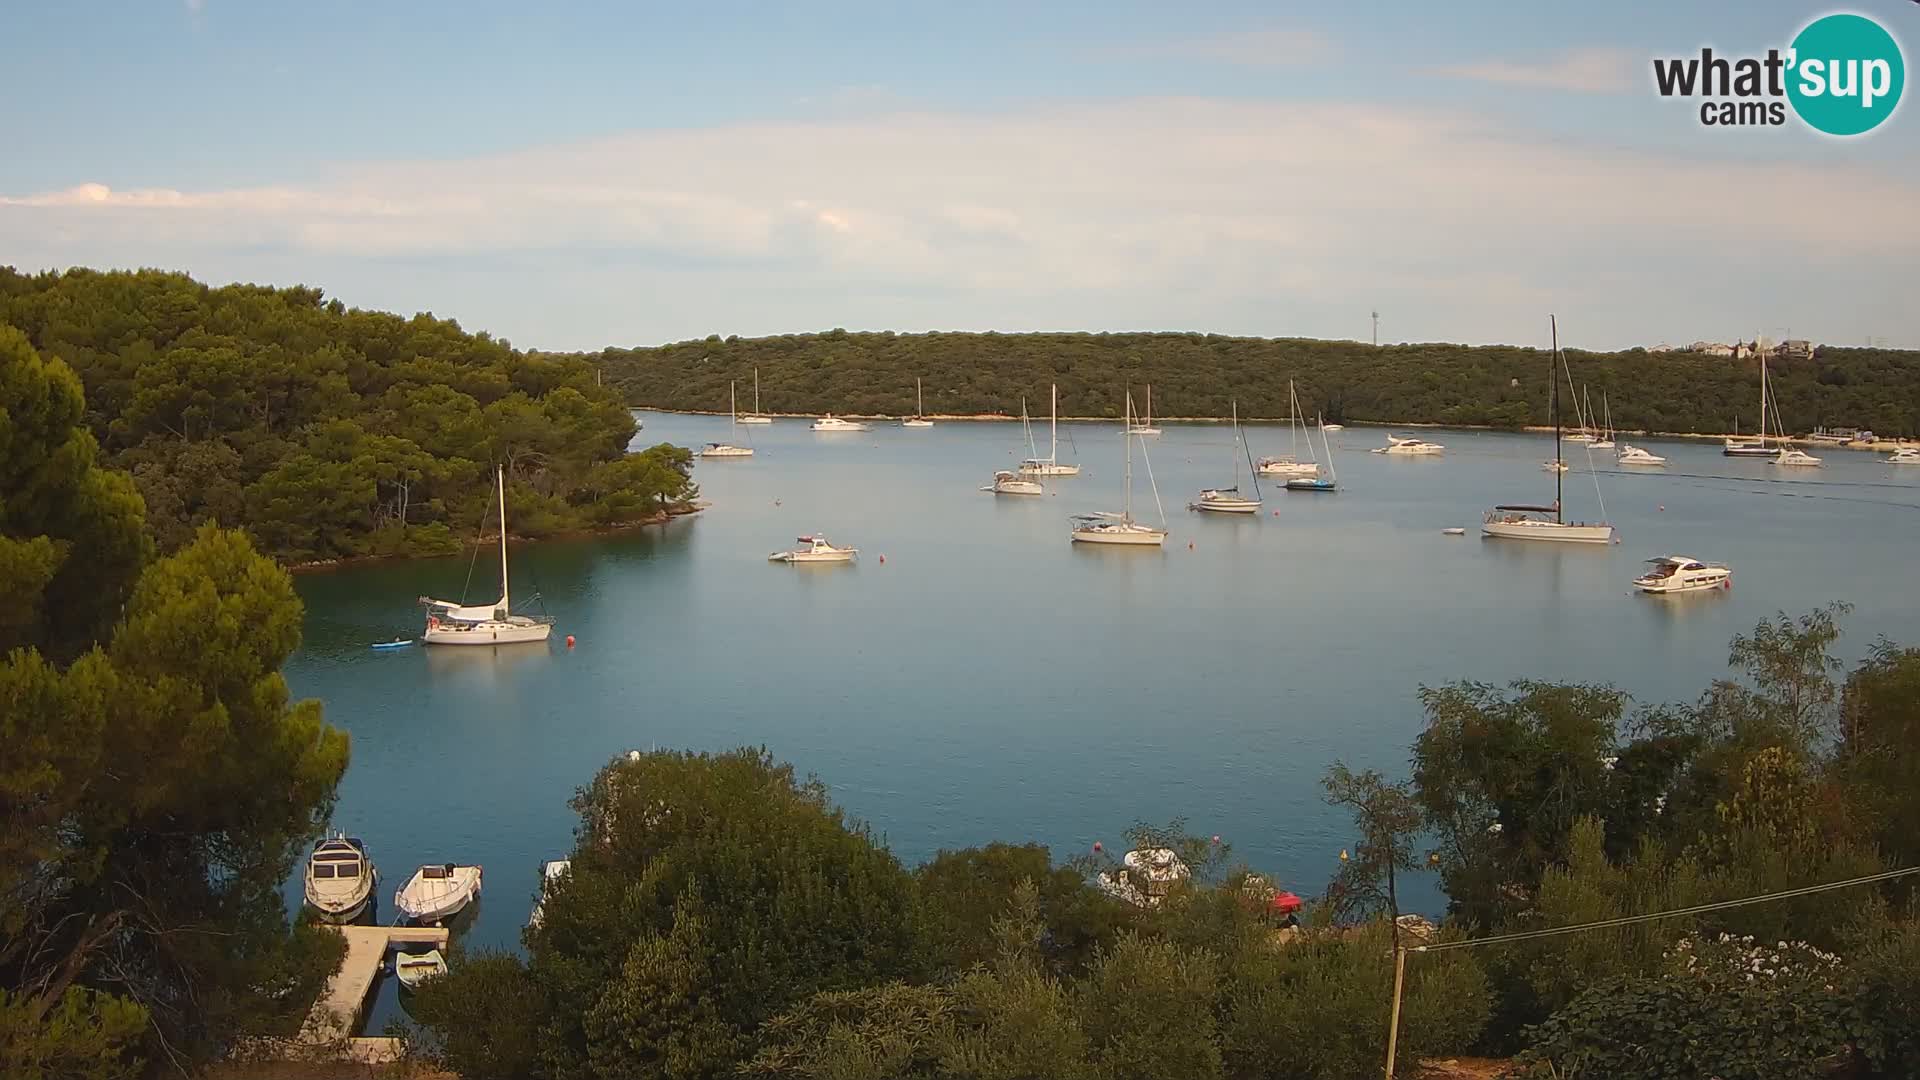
(1121, 535)
(489, 633)
(1048, 468)
(1226, 506)
(1533, 529)
(755, 420)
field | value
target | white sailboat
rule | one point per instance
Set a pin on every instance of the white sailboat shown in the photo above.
(1290, 464)
(756, 416)
(1050, 465)
(725, 450)
(1735, 446)
(449, 623)
(1327, 483)
(1228, 500)
(1519, 521)
(1145, 426)
(1120, 529)
(1789, 455)
(1605, 441)
(1007, 482)
(919, 417)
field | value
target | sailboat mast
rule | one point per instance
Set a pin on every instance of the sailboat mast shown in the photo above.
(1053, 427)
(756, 391)
(501, 478)
(733, 409)
(919, 406)
(1763, 401)
(1554, 407)
(1149, 422)
(1126, 432)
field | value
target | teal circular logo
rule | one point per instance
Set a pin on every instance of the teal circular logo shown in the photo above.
(1846, 75)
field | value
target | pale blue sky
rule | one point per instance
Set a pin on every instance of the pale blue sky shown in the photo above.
(609, 173)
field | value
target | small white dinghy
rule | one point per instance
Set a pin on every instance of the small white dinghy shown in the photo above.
(437, 893)
(340, 879)
(815, 549)
(412, 969)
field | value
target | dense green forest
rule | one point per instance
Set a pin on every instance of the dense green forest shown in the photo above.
(331, 432)
(1196, 375)
(721, 917)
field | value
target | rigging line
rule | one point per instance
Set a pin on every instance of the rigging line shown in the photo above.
(1697, 909)
(480, 534)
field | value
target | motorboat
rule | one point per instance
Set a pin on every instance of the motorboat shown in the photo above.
(340, 878)
(1682, 573)
(1050, 465)
(1576, 437)
(413, 968)
(1106, 527)
(1906, 455)
(756, 416)
(1145, 876)
(1633, 455)
(831, 422)
(437, 893)
(1523, 521)
(1229, 500)
(1010, 483)
(1400, 447)
(1333, 427)
(550, 872)
(919, 417)
(1145, 426)
(1554, 466)
(726, 450)
(1793, 456)
(1285, 465)
(449, 623)
(815, 549)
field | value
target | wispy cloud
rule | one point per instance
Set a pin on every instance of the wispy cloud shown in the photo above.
(1250, 48)
(1591, 71)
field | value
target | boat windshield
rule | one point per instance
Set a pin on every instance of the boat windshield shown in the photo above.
(436, 871)
(322, 870)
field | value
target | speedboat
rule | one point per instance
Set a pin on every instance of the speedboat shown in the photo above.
(1409, 447)
(720, 449)
(1110, 528)
(437, 893)
(550, 872)
(831, 422)
(1682, 573)
(1145, 877)
(1792, 456)
(815, 549)
(1633, 455)
(1225, 501)
(1906, 455)
(1554, 466)
(340, 879)
(1285, 465)
(1008, 483)
(412, 969)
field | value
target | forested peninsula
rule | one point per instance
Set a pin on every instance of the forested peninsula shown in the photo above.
(1197, 375)
(328, 432)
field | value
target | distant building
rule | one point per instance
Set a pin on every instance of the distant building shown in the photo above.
(1711, 348)
(1662, 347)
(1795, 349)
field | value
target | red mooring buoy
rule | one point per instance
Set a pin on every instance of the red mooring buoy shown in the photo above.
(1096, 845)
(569, 641)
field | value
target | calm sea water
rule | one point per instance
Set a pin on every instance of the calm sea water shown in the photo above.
(990, 680)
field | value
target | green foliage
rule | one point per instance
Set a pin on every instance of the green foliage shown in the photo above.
(86, 1035)
(488, 1018)
(1195, 374)
(1876, 763)
(1389, 820)
(1883, 979)
(963, 893)
(1148, 1011)
(326, 432)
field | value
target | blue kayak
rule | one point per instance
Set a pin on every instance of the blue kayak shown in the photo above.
(399, 644)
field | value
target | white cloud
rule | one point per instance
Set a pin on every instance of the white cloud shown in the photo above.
(1592, 71)
(1231, 216)
(1252, 48)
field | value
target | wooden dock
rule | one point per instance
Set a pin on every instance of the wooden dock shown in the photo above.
(336, 1016)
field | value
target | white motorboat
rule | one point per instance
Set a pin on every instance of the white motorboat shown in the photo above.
(449, 623)
(1107, 527)
(1333, 427)
(725, 450)
(1906, 455)
(1633, 455)
(756, 416)
(1228, 500)
(919, 417)
(413, 968)
(1145, 426)
(550, 872)
(1400, 447)
(1051, 464)
(815, 549)
(831, 422)
(1792, 456)
(1145, 877)
(1554, 466)
(437, 893)
(1682, 573)
(1521, 521)
(340, 879)
(1010, 483)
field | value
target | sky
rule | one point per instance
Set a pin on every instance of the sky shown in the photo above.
(595, 173)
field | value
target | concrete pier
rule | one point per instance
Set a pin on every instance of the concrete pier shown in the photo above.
(336, 1016)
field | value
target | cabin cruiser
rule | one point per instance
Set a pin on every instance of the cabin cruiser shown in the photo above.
(1285, 465)
(1409, 447)
(437, 893)
(1793, 456)
(1145, 877)
(1906, 455)
(1682, 573)
(815, 549)
(551, 871)
(1008, 483)
(1225, 501)
(720, 449)
(340, 879)
(412, 969)
(1633, 455)
(831, 422)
